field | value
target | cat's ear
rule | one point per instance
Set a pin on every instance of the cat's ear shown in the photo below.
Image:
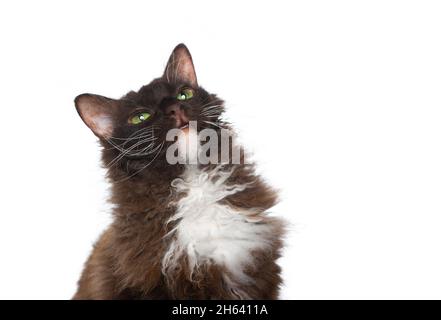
(97, 113)
(180, 67)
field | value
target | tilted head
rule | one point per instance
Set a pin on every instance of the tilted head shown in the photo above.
(133, 129)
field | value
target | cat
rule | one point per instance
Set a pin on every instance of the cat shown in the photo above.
(182, 230)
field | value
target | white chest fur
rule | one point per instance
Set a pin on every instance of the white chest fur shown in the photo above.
(211, 232)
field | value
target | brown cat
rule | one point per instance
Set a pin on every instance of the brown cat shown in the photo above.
(181, 229)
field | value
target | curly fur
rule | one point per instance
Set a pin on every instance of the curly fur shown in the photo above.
(178, 231)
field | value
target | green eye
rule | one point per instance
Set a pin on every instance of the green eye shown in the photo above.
(185, 94)
(140, 117)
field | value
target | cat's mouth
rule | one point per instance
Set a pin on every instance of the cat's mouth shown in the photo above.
(184, 126)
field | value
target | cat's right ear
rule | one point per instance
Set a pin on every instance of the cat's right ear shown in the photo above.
(180, 66)
(97, 113)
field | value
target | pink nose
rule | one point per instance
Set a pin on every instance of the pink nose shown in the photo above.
(175, 111)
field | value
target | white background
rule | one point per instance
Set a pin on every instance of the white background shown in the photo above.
(339, 100)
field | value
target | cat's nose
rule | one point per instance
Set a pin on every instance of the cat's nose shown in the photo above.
(176, 112)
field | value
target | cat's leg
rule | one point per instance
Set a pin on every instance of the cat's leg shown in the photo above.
(264, 284)
(97, 280)
(259, 281)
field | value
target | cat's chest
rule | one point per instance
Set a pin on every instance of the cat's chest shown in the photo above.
(208, 230)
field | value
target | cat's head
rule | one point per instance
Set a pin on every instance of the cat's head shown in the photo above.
(133, 128)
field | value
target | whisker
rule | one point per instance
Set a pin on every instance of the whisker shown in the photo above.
(216, 108)
(211, 112)
(127, 152)
(212, 107)
(212, 123)
(149, 137)
(139, 134)
(154, 158)
(210, 102)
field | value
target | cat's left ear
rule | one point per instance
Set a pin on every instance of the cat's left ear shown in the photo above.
(180, 67)
(97, 113)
